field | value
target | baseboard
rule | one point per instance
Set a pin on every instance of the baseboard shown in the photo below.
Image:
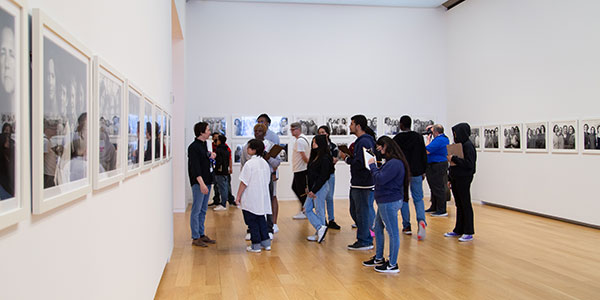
(179, 210)
(542, 215)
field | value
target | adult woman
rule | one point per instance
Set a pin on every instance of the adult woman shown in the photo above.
(592, 138)
(320, 166)
(391, 186)
(558, 142)
(570, 139)
(324, 130)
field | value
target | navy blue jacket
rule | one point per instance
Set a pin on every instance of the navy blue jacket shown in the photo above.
(361, 176)
(389, 181)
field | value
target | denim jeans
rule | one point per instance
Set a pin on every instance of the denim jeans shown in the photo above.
(223, 187)
(198, 214)
(317, 219)
(329, 198)
(362, 212)
(259, 233)
(416, 190)
(387, 217)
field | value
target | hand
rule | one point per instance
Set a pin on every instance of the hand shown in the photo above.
(238, 201)
(335, 160)
(230, 170)
(449, 185)
(450, 157)
(274, 177)
(312, 195)
(343, 156)
(371, 161)
(213, 155)
(204, 189)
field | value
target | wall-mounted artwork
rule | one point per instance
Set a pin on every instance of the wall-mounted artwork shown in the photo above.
(308, 124)
(243, 126)
(536, 137)
(372, 123)
(61, 97)
(564, 136)
(160, 131)
(135, 133)
(237, 152)
(420, 124)
(475, 137)
(170, 144)
(14, 113)
(391, 125)
(284, 154)
(490, 138)
(590, 136)
(216, 124)
(148, 128)
(511, 137)
(280, 125)
(338, 125)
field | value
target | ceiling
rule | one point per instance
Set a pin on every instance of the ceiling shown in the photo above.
(397, 3)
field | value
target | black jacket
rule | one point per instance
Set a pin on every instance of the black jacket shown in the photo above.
(222, 160)
(413, 146)
(199, 162)
(464, 166)
(319, 172)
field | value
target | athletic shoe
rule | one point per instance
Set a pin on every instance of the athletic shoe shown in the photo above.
(268, 248)
(359, 247)
(213, 203)
(250, 249)
(372, 233)
(199, 243)
(247, 236)
(421, 233)
(430, 210)
(373, 262)
(299, 216)
(386, 268)
(270, 235)
(275, 228)
(407, 230)
(445, 214)
(207, 240)
(451, 234)
(354, 226)
(333, 225)
(465, 238)
(312, 238)
(219, 208)
(321, 233)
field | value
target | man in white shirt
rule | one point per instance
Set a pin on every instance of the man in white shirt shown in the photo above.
(300, 155)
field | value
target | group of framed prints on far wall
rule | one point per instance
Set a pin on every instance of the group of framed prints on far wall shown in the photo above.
(569, 136)
(70, 86)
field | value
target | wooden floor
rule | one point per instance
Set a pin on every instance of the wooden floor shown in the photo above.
(514, 256)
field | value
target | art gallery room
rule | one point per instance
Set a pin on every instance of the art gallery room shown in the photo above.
(103, 210)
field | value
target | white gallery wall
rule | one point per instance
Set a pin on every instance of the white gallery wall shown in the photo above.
(114, 243)
(515, 61)
(289, 59)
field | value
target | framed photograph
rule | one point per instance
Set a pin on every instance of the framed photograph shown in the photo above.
(391, 125)
(564, 136)
(372, 122)
(237, 148)
(156, 135)
(490, 138)
(338, 125)
(169, 139)
(590, 136)
(216, 124)
(14, 111)
(162, 123)
(475, 137)
(134, 134)
(280, 125)
(284, 154)
(308, 124)
(62, 69)
(149, 137)
(243, 126)
(420, 124)
(511, 137)
(536, 136)
(107, 128)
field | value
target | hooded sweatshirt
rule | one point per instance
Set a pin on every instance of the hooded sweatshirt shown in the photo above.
(464, 166)
(361, 176)
(413, 146)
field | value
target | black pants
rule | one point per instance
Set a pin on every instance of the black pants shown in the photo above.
(217, 197)
(437, 178)
(299, 186)
(257, 226)
(461, 188)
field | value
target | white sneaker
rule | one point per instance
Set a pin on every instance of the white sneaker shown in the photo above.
(219, 208)
(321, 233)
(299, 216)
(250, 249)
(421, 233)
(247, 236)
(268, 248)
(312, 238)
(275, 228)
(270, 235)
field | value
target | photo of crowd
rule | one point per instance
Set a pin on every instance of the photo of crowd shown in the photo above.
(338, 125)
(391, 125)
(308, 125)
(474, 137)
(110, 100)
(420, 126)
(133, 131)
(9, 83)
(490, 135)
(216, 124)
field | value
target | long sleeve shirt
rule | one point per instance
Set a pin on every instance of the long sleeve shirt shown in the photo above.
(389, 181)
(437, 149)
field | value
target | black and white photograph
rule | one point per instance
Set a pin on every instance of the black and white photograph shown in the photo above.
(338, 125)
(280, 125)
(308, 124)
(490, 138)
(536, 136)
(590, 129)
(475, 137)
(391, 125)
(284, 154)
(148, 135)
(511, 137)
(162, 135)
(243, 126)
(134, 104)
(216, 124)
(372, 123)
(237, 152)
(169, 145)
(420, 124)
(564, 136)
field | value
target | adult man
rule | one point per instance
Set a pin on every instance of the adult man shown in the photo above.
(199, 170)
(413, 146)
(273, 138)
(301, 152)
(437, 169)
(361, 184)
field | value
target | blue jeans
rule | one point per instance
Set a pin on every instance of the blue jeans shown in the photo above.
(329, 198)
(416, 190)
(362, 212)
(387, 217)
(198, 214)
(317, 219)
(223, 187)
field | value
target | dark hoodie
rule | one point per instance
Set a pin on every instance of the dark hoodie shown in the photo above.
(464, 166)
(413, 146)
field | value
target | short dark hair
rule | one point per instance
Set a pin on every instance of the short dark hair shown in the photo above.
(360, 120)
(326, 128)
(257, 145)
(222, 139)
(264, 116)
(405, 121)
(200, 128)
(213, 134)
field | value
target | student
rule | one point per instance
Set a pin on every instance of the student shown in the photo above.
(320, 165)
(221, 171)
(253, 196)
(333, 150)
(391, 186)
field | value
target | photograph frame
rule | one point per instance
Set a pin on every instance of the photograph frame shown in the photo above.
(225, 118)
(147, 165)
(41, 26)
(132, 88)
(170, 145)
(582, 122)
(420, 129)
(526, 126)
(22, 184)
(118, 173)
(384, 127)
(492, 127)
(480, 148)
(337, 116)
(509, 126)
(235, 129)
(575, 124)
(316, 118)
(286, 141)
(162, 123)
(234, 146)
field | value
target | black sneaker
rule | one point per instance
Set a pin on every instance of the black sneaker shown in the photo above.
(373, 262)
(430, 210)
(333, 225)
(386, 268)
(213, 203)
(359, 246)
(407, 230)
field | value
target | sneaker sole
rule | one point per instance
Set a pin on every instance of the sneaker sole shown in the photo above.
(439, 216)
(422, 231)
(388, 271)
(361, 248)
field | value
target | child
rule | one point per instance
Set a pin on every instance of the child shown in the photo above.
(253, 195)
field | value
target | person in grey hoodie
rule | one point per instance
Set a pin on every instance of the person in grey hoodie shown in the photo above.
(461, 176)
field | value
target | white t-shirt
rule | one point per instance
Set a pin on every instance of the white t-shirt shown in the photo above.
(256, 175)
(301, 145)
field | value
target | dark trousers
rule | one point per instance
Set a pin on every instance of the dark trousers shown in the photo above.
(257, 226)
(360, 213)
(437, 178)
(461, 188)
(217, 199)
(299, 185)
(270, 217)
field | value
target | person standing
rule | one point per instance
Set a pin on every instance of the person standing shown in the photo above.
(222, 162)
(272, 137)
(413, 147)
(320, 165)
(333, 150)
(461, 176)
(199, 170)
(299, 166)
(216, 195)
(437, 169)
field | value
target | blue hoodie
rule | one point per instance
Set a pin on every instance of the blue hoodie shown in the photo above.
(361, 176)
(389, 181)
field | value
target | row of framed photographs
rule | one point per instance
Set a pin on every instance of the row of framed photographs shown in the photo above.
(569, 136)
(70, 157)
